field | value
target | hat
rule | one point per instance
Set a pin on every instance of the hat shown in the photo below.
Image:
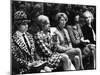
(21, 17)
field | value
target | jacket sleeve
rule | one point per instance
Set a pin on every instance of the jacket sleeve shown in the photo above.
(17, 55)
(41, 44)
(72, 37)
(80, 31)
(56, 41)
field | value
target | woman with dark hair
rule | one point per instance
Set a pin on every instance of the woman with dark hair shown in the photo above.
(89, 32)
(63, 42)
(45, 47)
(78, 40)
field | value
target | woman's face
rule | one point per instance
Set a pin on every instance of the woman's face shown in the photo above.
(88, 19)
(23, 27)
(62, 22)
(46, 26)
(77, 18)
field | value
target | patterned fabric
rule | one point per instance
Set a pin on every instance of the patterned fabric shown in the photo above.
(20, 15)
(46, 50)
(21, 53)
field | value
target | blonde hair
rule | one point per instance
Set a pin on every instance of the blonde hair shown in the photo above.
(88, 14)
(42, 20)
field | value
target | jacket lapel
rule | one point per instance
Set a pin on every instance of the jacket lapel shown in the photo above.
(32, 46)
(20, 43)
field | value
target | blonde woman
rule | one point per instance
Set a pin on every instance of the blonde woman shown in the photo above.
(45, 47)
(63, 42)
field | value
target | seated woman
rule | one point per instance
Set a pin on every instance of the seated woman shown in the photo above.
(45, 48)
(22, 47)
(89, 28)
(77, 40)
(63, 42)
(89, 33)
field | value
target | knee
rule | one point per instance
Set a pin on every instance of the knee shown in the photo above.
(86, 51)
(65, 57)
(78, 50)
(42, 70)
(76, 58)
(91, 47)
(47, 69)
(93, 52)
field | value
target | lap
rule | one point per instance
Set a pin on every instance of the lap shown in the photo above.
(73, 52)
(88, 49)
(54, 60)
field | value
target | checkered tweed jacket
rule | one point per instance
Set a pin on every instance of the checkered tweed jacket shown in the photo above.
(20, 53)
(46, 50)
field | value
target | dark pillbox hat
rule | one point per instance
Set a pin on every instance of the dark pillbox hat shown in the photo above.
(21, 17)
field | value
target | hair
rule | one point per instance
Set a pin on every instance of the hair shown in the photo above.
(41, 20)
(59, 15)
(87, 14)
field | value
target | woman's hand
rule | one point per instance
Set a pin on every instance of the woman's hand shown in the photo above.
(32, 64)
(85, 41)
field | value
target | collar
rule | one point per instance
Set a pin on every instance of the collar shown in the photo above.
(75, 27)
(90, 25)
(19, 33)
